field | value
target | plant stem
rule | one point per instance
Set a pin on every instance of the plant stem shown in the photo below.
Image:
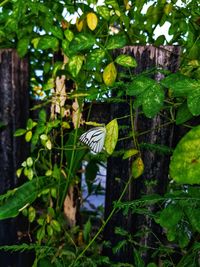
(61, 155)
(132, 125)
(72, 158)
(4, 2)
(104, 223)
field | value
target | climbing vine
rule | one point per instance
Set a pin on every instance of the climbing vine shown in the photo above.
(71, 47)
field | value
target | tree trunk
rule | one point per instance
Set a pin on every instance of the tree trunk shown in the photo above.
(14, 105)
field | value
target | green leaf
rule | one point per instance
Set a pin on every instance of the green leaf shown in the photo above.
(152, 100)
(193, 215)
(81, 41)
(49, 84)
(170, 216)
(119, 246)
(47, 67)
(22, 46)
(194, 102)
(29, 173)
(29, 162)
(116, 41)
(104, 12)
(55, 225)
(69, 35)
(129, 153)
(138, 259)
(183, 114)
(49, 230)
(53, 124)
(87, 230)
(149, 95)
(31, 214)
(185, 161)
(139, 85)
(23, 196)
(75, 64)
(19, 132)
(160, 40)
(42, 116)
(19, 172)
(111, 136)
(30, 124)
(126, 61)
(48, 42)
(65, 47)
(94, 58)
(57, 32)
(183, 238)
(179, 84)
(40, 234)
(154, 14)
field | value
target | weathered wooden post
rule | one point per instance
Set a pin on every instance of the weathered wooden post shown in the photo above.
(14, 107)
(156, 166)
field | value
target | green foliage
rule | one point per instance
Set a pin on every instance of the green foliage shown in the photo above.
(42, 30)
(23, 196)
(179, 219)
(184, 166)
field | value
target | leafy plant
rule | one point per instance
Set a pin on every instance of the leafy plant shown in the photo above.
(72, 63)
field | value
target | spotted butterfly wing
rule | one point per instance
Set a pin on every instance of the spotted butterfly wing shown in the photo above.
(94, 138)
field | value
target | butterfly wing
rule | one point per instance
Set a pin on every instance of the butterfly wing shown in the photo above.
(94, 138)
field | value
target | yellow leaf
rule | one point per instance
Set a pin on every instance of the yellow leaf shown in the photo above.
(111, 136)
(65, 125)
(137, 168)
(48, 145)
(168, 8)
(127, 4)
(117, 12)
(79, 24)
(28, 136)
(110, 74)
(92, 21)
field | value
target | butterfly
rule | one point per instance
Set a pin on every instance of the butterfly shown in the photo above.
(94, 138)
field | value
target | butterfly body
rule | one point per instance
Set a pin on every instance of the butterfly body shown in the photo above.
(94, 138)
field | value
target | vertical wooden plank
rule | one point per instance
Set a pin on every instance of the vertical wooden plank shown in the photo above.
(156, 166)
(118, 173)
(14, 105)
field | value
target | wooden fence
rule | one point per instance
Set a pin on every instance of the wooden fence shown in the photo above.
(14, 109)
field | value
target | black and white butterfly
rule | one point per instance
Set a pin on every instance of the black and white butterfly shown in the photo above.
(94, 138)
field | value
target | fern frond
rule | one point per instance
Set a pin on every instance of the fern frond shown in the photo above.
(24, 247)
(161, 149)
